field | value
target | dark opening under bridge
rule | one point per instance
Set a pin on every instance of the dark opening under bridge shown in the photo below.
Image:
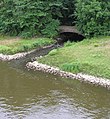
(69, 33)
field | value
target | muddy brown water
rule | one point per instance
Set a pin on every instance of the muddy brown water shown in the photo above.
(35, 95)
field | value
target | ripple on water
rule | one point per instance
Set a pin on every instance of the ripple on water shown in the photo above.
(35, 95)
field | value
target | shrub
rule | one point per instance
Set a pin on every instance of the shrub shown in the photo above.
(51, 29)
(93, 17)
(28, 18)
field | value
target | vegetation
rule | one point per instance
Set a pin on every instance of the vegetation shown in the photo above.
(93, 17)
(90, 56)
(9, 45)
(34, 18)
(29, 18)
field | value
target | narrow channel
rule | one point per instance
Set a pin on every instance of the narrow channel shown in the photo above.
(35, 95)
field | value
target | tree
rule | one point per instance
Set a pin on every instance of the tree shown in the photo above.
(93, 17)
(27, 18)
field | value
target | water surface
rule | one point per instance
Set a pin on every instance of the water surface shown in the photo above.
(34, 95)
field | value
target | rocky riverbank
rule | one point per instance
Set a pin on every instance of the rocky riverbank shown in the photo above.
(21, 55)
(82, 77)
(14, 57)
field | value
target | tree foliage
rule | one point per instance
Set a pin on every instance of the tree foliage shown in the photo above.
(28, 18)
(67, 16)
(93, 17)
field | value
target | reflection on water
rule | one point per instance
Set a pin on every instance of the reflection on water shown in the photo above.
(35, 95)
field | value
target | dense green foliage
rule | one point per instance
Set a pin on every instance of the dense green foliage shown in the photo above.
(29, 18)
(93, 17)
(67, 12)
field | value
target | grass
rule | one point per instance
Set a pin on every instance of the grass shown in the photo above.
(90, 56)
(12, 45)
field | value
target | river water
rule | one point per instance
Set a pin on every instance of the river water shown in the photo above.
(34, 95)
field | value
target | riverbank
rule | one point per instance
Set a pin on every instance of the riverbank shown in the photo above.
(15, 48)
(23, 54)
(75, 60)
(79, 76)
(90, 56)
(13, 45)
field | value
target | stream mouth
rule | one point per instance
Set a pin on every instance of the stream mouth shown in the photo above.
(36, 95)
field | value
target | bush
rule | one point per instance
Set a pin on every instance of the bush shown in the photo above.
(28, 18)
(93, 17)
(51, 29)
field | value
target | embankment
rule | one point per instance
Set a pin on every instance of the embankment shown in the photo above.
(23, 54)
(81, 77)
